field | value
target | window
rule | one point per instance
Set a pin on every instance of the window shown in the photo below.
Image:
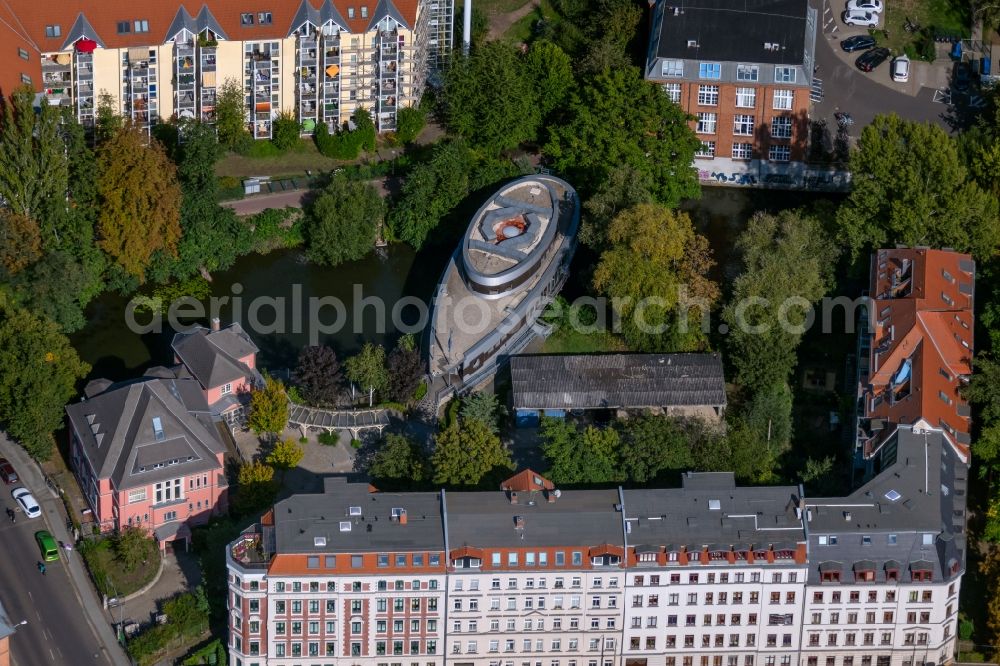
(706, 123)
(783, 101)
(784, 75)
(779, 153)
(512, 559)
(746, 98)
(743, 124)
(53, 31)
(227, 389)
(167, 491)
(672, 68)
(246, 19)
(264, 18)
(364, 11)
(747, 72)
(350, 12)
(709, 70)
(124, 27)
(140, 25)
(781, 128)
(22, 53)
(742, 151)
(137, 495)
(708, 95)
(673, 91)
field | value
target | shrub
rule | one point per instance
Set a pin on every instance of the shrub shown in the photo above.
(261, 149)
(365, 129)
(187, 619)
(409, 122)
(303, 440)
(965, 629)
(285, 132)
(356, 443)
(329, 438)
(213, 653)
(421, 391)
(344, 145)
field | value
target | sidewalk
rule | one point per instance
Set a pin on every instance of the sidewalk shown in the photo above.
(32, 478)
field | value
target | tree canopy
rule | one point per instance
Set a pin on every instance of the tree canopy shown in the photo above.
(910, 186)
(466, 454)
(318, 375)
(485, 407)
(406, 370)
(575, 456)
(343, 221)
(285, 454)
(657, 267)
(38, 374)
(617, 118)
(140, 200)
(550, 72)
(231, 115)
(400, 463)
(367, 369)
(268, 408)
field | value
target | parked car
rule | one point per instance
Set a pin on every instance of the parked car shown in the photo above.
(861, 17)
(865, 5)
(858, 43)
(869, 60)
(961, 77)
(27, 502)
(900, 71)
(47, 545)
(7, 471)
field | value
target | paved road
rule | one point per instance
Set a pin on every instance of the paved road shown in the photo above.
(57, 631)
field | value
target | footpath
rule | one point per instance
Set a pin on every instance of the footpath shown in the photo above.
(31, 477)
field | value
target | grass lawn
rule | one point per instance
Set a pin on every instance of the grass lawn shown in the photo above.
(292, 162)
(567, 341)
(933, 16)
(492, 7)
(102, 562)
(521, 31)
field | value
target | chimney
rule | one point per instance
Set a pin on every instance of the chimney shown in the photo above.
(216, 324)
(518, 522)
(513, 497)
(402, 517)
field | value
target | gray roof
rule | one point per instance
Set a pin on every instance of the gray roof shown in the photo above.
(733, 30)
(213, 357)
(195, 25)
(81, 28)
(300, 519)
(387, 8)
(745, 516)
(117, 432)
(596, 381)
(576, 518)
(920, 489)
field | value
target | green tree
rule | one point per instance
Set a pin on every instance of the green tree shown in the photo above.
(400, 463)
(133, 546)
(618, 118)
(652, 445)
(256, 487)
(365, 128)
(343, 221)
(268, 408)
(107, 121)
(574, 456)
(488, 99)
(409, 123)
(285, 454)
(367, 369)
(983, 391)
(139, 200)
(657, 267)
(550, 72)
(285, 131)
(58, 286)
(769, 413)
(318, 375)
(406, 370)
(622, 189)
(20, 242)
(485, 407)
(431, 191)
(910, 186)
(787, 265)
(231, 116)
(33, 165)
(38, 374)
(466, 455)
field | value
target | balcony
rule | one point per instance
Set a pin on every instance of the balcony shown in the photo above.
(248, 551)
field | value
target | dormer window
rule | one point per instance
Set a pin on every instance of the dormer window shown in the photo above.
(864, 572)
(717, 554)
(467, 563)
(605, 560)
(226, 389)
(140, 25)
(264, 18)
(246, 19)
(892, 574)
(784, 554)
(350, 12)
(124, 27)
(364, 11)
(53, 30)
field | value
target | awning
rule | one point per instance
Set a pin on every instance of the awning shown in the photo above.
(172, 531)
(86, 45)
(333, 70)
(208, 79)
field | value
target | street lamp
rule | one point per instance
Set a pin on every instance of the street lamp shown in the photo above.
(121, 612)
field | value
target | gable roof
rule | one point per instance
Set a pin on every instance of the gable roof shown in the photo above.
(609, 381)
(146, 431)
(214, 357)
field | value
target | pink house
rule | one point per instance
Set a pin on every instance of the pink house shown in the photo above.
(224, 362)
(148, 453)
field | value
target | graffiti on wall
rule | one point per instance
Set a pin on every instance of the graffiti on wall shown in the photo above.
(734, 178)
(804, 179)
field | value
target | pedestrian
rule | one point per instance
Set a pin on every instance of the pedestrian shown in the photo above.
(41, 567)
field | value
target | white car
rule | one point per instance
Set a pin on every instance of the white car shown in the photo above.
(861, 17)
(27, 502)
(900, 70)
(865, 6)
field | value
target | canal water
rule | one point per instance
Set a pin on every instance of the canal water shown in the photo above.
(269, 286)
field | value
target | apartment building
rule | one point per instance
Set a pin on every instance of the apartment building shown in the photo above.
(710, 574)
(915, 348)
(319, 61)
(743, 71)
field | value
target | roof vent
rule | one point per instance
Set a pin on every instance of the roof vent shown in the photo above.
(714, 505)
(319, 541)
(892, 495)
(677, 11)
(847, 515)
(692, 44)
(158, 429)
(354, 511)
(518, 522)
(345, 526)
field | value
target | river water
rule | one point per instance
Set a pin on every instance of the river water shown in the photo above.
(263, 284)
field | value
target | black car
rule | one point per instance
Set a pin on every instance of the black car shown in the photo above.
(869, 60)
(961, 78)
(857, 43)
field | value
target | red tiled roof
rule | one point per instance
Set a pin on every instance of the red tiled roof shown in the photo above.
(527, 481)
(14, 36)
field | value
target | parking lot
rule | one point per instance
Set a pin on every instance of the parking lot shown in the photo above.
(925, 97)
